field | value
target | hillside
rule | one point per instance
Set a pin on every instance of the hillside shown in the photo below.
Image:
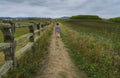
(116, 19)
(85, 17)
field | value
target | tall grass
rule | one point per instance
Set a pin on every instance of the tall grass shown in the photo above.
(29, 65)
(92, 54)
(101, 28)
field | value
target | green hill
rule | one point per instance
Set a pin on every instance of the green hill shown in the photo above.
(85, 17)
(116, 19)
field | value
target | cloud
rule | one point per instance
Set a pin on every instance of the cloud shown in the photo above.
(58, 8)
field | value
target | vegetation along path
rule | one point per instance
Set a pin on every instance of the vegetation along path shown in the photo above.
(58, 63)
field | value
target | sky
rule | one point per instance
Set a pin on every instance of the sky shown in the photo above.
(59, 8)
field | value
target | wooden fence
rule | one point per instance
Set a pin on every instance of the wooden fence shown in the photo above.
(10, 43)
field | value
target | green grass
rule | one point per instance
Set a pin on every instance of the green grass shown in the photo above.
(31, 20)
(103, 29)
(19, 32)
(1, 36)
(92, 47)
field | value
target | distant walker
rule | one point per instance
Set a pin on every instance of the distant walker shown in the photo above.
(57, 30)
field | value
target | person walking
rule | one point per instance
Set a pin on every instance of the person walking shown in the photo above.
(57, 30)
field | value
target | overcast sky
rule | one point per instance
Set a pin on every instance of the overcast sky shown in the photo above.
(59, 8)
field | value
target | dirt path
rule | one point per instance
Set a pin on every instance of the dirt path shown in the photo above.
(58, 63)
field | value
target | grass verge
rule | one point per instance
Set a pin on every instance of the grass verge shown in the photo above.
(91, 54)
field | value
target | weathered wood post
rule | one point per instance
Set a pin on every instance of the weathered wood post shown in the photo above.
(31, 29)
(32, 37)
(38, 28)
(8, 31)
(42, 25)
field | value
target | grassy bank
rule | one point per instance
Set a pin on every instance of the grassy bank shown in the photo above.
(29, 65)
(90, 53)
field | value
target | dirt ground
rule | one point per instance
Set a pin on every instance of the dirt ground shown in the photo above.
(58, 63)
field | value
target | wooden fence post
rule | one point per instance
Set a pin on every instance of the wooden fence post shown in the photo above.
(38, 28)
(31, 29)
(32, 37)
(42, 25)
(8, 33)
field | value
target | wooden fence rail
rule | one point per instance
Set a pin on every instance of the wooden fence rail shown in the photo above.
(9, 45)
(4, 46)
